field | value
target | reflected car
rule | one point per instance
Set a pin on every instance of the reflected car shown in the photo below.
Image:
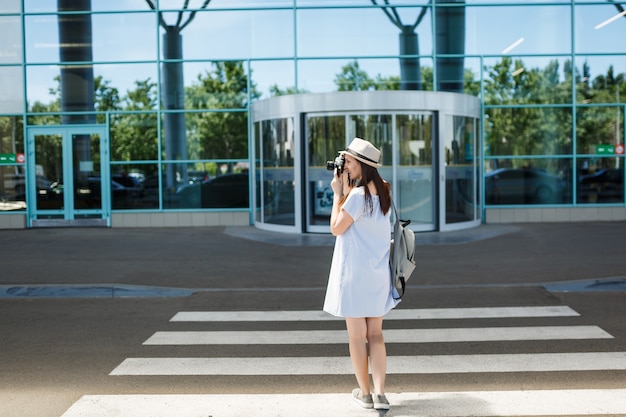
(523, 186)
(88, 196)
(225, 191)
(15, 185)
(603, 186)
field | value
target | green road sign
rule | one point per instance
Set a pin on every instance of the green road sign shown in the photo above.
(605, 149)
(7, 158)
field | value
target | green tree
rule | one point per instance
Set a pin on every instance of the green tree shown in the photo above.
(134, 135)
(275, 90)
(213, 133)
(353, 78)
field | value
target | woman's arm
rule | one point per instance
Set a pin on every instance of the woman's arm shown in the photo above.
(339, 219)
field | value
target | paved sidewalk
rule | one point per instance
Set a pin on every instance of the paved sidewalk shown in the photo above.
(133, 261)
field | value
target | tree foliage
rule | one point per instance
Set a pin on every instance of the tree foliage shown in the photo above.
(529, 109)
(216, 134)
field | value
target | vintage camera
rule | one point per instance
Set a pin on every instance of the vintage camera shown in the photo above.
(336, 164)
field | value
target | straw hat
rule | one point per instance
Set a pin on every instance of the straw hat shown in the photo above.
(363, 151)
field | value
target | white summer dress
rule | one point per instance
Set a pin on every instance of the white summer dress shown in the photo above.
(359, 283)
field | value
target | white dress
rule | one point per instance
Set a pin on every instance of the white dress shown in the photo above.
(359, 283)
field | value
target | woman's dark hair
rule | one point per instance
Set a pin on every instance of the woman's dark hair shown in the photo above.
(369, 173)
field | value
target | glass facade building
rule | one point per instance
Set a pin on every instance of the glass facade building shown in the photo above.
(139, 113)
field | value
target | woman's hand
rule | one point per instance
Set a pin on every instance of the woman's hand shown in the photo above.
(339, 184)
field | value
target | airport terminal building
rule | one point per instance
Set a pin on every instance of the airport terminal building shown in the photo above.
(173, 113)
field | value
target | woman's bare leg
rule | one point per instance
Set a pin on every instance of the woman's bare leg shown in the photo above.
(377, 353)
(357, 335)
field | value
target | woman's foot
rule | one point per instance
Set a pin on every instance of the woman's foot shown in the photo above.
(380, 402)
(364, 401)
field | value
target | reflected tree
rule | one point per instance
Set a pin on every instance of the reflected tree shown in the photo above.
(220, 134)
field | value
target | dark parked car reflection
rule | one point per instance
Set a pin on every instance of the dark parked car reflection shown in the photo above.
(603, 186)
(88, 195)
(523, 186)
(225, 191)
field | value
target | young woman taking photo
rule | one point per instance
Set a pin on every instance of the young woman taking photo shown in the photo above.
(359, 283)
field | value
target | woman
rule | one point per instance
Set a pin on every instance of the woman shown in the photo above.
(359, 283)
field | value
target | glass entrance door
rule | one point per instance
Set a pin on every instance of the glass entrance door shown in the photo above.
(68, 176)
(408, 149)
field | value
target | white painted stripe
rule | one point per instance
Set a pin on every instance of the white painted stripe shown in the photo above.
(291, 337)
(396, 314)
(594, 402)
(436, 364)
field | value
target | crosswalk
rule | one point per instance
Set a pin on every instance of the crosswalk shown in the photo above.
(559, 402)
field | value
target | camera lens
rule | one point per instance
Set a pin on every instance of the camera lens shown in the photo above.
(330, 165)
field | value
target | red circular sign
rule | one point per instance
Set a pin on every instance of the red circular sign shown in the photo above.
(619, 149)
(20, 158)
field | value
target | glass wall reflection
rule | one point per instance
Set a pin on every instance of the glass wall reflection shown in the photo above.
(176, 93)
(277, 173)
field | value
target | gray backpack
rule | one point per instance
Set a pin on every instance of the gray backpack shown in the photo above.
(402, 254)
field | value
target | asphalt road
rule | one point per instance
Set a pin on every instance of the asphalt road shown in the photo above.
(56, 350)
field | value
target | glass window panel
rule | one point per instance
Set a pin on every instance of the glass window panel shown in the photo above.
(206, 135)
(373, 35)
(528, 131)
(208, 85)
(513, 80)
(600, 180)
(459, 169)
(375, 128)
(598, 28)
(128, 186)
(228, 4)
(134, 137)
(12, 178)
(43, 119)
(600, 79)
(318, 76)
(502, 29)
(48, 160)
(38, 6)
(273, 78)
(41, 33)
(414, 178)
(599, 129)
(115, 82)
(471, 76)
(525, 1)
(326, 136)
(171, 181)
(528, 181)
(258, 158)
(112, 32)
(11, 35)
(278, 171)
(10, 6)
(110, 37)
(12, 188)
(146, 176)
(338, 3)
(250, 34)
(12, 87)
(222, 184)
(11, 134)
